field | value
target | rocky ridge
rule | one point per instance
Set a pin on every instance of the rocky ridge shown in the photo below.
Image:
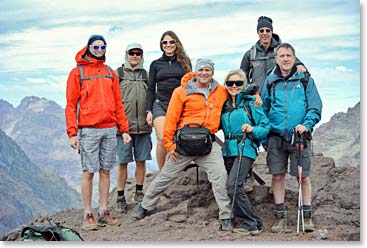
(183, 214)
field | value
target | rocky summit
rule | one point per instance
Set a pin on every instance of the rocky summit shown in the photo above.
(187, 211)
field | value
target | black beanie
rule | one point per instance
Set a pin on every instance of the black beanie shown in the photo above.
(96, 37)
(264, 21)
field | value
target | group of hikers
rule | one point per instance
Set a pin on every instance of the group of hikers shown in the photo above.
(268, 101)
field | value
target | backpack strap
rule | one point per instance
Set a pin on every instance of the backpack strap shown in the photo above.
(253, 52)
(121, 75)
(247, 109)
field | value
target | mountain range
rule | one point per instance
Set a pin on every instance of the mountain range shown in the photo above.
(37, 125)
(340, 137)
(34, 140)
(26, 190)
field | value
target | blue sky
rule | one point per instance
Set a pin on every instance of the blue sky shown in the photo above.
(40, 39)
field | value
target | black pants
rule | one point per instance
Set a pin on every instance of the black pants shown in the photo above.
(244, 212)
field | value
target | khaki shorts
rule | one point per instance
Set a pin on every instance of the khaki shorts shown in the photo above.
(98, 148)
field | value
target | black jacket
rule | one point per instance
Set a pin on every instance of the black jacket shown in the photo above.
(165, 75)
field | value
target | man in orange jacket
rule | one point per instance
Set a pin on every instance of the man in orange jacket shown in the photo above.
(93, 110)
(199, 99)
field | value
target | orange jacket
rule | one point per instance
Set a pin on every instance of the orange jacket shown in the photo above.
(100, 97)
(189, 106)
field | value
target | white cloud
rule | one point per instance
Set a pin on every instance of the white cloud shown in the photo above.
(41, 52)
(342, 68)
(36, 80)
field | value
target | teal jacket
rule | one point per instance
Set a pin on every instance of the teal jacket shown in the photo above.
(287, 103)
(233, 118)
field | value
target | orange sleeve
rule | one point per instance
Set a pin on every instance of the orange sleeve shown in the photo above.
(72, 98)
(172, 118)
(122, 121)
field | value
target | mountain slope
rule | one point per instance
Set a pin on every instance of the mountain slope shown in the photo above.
(340, 138)
(184, 215)
(26, 190)
(38, 127)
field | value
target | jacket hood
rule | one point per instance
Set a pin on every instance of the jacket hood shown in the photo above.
(82, 58)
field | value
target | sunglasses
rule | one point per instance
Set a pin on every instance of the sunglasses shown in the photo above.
(95, 47)
(238, 83)
(165, 42)
(265, 30)
(131, 53)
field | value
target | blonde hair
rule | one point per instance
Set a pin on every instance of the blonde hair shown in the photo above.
(238, 72)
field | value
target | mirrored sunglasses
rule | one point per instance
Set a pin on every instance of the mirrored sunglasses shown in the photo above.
(96, 47)
(165, 42)
(131, 53)
(238, 83)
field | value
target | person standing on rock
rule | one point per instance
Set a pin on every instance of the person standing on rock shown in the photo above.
(93, 111)
(292, 103)
(258, 61)
(165, 75)
(198, 100)
(241, 123)
(133, 84)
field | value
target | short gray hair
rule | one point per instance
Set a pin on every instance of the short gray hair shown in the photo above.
(286, 46)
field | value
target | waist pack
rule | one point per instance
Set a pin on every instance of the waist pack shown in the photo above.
(193, 139)
(49, 233)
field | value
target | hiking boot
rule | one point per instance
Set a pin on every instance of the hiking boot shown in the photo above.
(246, 232)
(139, 212)
(89, 223)
(280, 222)
(121, 205)
(225, 225)
(139, 195)
(309, 227)
(106, 219)
(249, 184)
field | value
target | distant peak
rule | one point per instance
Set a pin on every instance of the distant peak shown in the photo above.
(33, 103)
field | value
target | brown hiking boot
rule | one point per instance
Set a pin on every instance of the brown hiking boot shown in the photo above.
(309, 227)
(121, 205)
(280, 222)
(249, 184)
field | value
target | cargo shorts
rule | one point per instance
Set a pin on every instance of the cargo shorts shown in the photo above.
(279, 150)
(98, 148)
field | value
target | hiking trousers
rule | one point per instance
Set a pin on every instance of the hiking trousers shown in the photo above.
(244, 212)
(212, 164)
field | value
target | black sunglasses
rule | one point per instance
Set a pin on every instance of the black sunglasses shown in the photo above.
(238, 83)
(131, 53)
(165, 42)
(265, 30)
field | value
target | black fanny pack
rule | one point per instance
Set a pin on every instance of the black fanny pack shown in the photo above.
(193, 139)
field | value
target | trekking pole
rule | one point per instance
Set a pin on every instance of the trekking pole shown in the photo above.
(256, 176)
(238, 172)
(299, 146)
